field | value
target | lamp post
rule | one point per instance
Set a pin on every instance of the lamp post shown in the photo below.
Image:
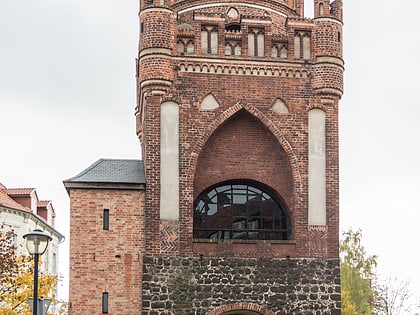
(36, 244)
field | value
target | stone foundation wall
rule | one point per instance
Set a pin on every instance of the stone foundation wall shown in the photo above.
(200, 285)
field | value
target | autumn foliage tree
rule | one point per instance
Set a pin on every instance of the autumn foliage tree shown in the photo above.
(357, 276)
(16, 279)
(362, 292)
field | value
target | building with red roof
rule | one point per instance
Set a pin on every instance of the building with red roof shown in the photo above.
(21, 211)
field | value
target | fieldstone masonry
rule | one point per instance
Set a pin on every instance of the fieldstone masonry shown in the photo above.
(197, 285)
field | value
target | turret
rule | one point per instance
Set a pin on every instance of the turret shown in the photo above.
(337, 9)
(154, 64)
(329, 65)
(321, 8)
(299, 7)
(325, 8)
(156, 42)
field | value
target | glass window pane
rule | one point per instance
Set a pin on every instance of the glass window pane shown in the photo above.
(105, 219)
(105, 303)
(240, 210)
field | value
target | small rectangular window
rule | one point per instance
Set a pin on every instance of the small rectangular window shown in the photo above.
(209, 40)
(105, 219)
(256, 44)
(104, 302)
(306, 47)
(297, 46)
(302, 45)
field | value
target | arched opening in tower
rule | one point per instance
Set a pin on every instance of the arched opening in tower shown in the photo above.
(243, 183)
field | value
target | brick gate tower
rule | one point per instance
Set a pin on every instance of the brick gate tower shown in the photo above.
(234, 207)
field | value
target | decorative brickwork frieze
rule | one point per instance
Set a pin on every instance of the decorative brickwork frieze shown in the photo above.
(317, 240)
(251, 70)
(169, 231)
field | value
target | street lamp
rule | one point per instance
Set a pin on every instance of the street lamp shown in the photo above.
(36, 244)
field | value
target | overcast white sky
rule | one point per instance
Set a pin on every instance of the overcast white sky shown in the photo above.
(67, 98)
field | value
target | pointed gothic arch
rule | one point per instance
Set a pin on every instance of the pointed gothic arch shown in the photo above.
(264, 120)
(232, 13)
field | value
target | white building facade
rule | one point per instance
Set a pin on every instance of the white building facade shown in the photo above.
(22, 212)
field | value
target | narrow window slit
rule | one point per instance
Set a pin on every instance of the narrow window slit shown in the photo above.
(105, 219)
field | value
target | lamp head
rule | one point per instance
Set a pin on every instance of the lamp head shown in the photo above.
(37, 242)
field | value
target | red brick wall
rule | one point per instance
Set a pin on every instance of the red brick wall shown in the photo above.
(244, 138)
(24, 201)
(243, 148)
(105, 261)
(260, 145)
(43, 213)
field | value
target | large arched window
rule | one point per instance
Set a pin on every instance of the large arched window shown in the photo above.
(240, 210)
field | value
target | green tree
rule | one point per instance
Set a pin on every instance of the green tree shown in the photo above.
(358, 272)
(16, 279)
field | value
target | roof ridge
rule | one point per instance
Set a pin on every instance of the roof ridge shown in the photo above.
(19, 191)
(118, 159)
(40, 202)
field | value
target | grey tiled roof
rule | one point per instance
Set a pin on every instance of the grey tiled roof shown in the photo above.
(111, 171)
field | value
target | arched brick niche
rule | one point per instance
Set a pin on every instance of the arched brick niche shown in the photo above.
(243, 148)
(241, 309)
